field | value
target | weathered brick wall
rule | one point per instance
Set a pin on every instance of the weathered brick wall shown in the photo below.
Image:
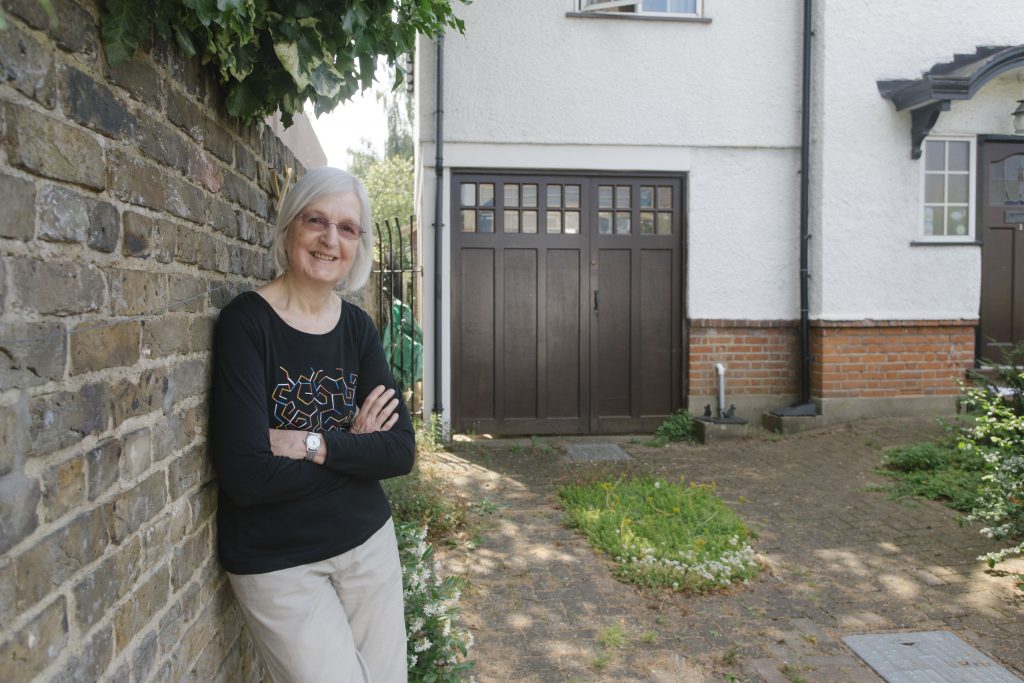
(132, 208)
(875, 359)
(761, 357)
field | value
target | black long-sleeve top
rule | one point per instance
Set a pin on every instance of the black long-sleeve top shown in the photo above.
(275, 512)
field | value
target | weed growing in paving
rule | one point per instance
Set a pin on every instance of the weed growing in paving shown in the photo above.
(677, 427)
(663, 534)
(613, 637)
(935, 471)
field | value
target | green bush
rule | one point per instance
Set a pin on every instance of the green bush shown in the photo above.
(436, 647)
(997, 437)
(677, 427)
(663, 534)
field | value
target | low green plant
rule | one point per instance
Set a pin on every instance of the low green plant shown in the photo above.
(997, 437)
(426, 500)
(663, 534)
(436, 647)
(935, 471)
(613, 637)
(677, 427)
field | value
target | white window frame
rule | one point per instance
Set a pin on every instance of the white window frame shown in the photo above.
(603, 7)
(972, 183)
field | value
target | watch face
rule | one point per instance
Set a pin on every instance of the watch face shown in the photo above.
(313, 441)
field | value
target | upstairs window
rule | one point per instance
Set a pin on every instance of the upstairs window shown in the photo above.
(677, 8)
(948, 189)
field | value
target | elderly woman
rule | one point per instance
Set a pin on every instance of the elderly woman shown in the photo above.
(304, 529)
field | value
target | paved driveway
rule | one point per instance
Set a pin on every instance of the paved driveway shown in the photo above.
(841, 560)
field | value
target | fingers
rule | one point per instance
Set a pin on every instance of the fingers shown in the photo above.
(378, 412)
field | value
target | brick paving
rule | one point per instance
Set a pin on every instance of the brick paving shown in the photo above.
(841, 560)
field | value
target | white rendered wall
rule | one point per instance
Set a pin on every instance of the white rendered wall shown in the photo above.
(868, 193)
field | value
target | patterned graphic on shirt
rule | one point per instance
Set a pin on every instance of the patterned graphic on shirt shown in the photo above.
(315, 403)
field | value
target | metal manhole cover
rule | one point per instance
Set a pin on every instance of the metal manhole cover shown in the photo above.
(927, 657)
(597, 452)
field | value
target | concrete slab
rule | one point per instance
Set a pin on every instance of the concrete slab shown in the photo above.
(708, 431)
(597, 452)
(932, 656)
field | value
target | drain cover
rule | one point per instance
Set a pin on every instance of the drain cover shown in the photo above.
(594, 452)
(927, 657)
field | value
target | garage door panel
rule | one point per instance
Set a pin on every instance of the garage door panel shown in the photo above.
(613, 381)
(476, 380)
(520, 332)
(562, 335)
(655, 336)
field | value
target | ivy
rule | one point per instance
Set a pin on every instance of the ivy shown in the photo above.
(276, 54)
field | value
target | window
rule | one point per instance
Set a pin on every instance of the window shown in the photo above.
(948, 190)
(679, 8)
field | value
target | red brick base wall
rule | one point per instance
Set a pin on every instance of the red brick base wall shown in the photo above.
(870, 358)
(761, 357)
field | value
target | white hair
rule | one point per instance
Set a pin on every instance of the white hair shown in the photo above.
(315, 184)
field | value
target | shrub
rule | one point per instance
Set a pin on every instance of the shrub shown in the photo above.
(426, 500)
(677, 427)
(663, 534)
(436, 647)
(997, 437)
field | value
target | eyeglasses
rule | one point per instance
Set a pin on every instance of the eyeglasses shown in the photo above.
(314, 222)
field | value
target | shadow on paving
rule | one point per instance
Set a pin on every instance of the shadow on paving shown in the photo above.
(841, 560)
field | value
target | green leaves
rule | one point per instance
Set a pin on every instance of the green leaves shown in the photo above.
(124, 24)
(276, 56)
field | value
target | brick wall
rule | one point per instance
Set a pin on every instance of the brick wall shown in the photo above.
(760, 357)
(871, 359)
(132, 208)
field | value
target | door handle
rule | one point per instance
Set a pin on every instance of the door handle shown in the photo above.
(596, 293)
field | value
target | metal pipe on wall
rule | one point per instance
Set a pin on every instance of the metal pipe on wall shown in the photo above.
(438, 220)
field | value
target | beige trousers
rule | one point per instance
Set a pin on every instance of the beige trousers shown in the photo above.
(340, 620)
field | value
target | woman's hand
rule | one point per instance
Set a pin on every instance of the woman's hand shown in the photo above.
(378, 412)
(288, 443)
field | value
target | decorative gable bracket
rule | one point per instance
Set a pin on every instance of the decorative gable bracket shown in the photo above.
(930, 95)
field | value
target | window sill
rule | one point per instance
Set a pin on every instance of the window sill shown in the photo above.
(629, 16)
(949, 243)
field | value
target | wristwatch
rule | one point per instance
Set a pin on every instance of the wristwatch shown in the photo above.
(312, 442)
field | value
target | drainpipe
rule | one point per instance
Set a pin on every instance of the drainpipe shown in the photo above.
(805, 406)
(805, 235)
(438, 221)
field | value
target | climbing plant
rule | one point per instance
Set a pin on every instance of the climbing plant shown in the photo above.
(275, 54)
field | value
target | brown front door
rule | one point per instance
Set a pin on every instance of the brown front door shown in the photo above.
(567, 298)
(1001, 198)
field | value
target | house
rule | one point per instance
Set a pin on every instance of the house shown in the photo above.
(620, 205)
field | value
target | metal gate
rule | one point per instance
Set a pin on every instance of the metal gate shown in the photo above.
(567, 302)
(397, 276)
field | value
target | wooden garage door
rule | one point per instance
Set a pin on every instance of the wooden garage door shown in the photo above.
(567, 297)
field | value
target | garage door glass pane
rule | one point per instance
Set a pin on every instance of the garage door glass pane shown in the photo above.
(511, 220)
(529, 221)
(604, 197)
(604, 222)
(529, 196)
(622, 223)
(646, 197)
(486, 194)
(469, 194)
(468, 220)
(646, 220)
(511, 195)
(572, 196)
(622, 196)
(554, 222)
(486, 221)
(554, 196)
(665, 223)
(572, 222)
(664, 196)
